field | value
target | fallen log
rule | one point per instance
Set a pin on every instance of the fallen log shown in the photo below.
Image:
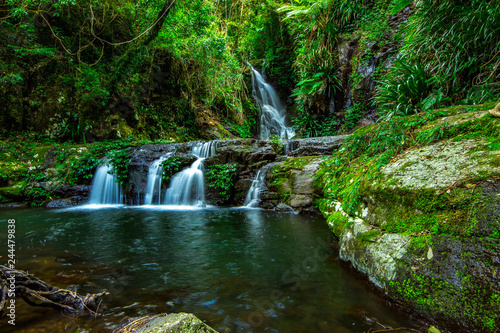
(36, 292)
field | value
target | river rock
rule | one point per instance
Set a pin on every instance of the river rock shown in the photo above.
(293, 181)
(168, 323)
(315, 146)
(281, 207)
(59, 203)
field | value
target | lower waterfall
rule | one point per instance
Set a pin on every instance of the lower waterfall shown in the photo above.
(187, 188)
(105, 187)
(153, 190)
(258, 185)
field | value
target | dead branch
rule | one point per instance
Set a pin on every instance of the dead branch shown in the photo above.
(36, 292)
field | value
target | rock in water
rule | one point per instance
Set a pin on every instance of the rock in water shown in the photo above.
(168, 323)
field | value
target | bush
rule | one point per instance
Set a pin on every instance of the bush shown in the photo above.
(407, 87)
(222, 177)
(170, 166)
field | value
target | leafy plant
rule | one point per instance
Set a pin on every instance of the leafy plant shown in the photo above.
(308, 125)
(277, 143)
(170, 166)
(120, 161)
(222, 177)
(407, 87)
(37, 194)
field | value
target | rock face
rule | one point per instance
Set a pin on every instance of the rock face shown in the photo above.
(313, 146)
(426, 230)
(168, 323)
(291, 183)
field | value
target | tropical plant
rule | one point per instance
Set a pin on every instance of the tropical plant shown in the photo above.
(222, 177)
(170, 166)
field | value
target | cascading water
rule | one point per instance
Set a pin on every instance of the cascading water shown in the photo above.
(153, 189)
(187, 188)
(272, 112)
(258, 185)
(105, 188)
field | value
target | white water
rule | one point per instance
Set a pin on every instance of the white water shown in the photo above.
(153, 189)
(272, 112)
(105, 188)
(187, 188)
(258, 185)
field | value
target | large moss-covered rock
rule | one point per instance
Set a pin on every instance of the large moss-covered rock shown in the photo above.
(425, 225)
(168, 323)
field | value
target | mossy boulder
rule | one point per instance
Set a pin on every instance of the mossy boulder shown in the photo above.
(424, 223)
(293, 181)
(168, 323)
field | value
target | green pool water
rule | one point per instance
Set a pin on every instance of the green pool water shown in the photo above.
(239, 270)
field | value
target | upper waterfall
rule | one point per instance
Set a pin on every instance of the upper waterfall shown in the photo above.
(272, 112)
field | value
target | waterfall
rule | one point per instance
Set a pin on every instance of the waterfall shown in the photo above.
(258, 185)
(105, 188)
(187, 188)
(153, 189)
(272, 112)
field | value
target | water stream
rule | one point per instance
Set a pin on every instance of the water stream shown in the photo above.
(272, 112)
(239, 270)
(258, 185)
(187, 188)
(153, 189)
(105, 187)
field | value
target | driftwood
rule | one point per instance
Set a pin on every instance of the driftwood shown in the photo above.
(36, 292)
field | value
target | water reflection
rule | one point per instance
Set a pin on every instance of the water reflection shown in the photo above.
(240, 270)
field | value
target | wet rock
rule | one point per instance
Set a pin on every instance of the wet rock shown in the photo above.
(60, 203)
(377, 259)
(14, 205)
(168, 323)
(300, 200)
(241, 188)
(281, 207)
(50, 156)
(73, 191)
(262, 154)
(316, 146)
(303, 179)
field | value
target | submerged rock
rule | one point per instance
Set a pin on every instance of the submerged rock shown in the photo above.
(168, 323)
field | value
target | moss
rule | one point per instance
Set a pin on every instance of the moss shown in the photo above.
(296, 163)
(337, 223)
(13, 193)
(469, 304)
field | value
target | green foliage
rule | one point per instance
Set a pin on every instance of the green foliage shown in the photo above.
(38, 195)
(82, 169)
(309, 125)
(277, 143)
(170, 166)
(450, 46)
(431, 134)
(353, 116)
(120, 161)
(222, 177)
(406, 89)
(245, 130)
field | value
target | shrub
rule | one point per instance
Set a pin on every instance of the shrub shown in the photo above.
(222, 177)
